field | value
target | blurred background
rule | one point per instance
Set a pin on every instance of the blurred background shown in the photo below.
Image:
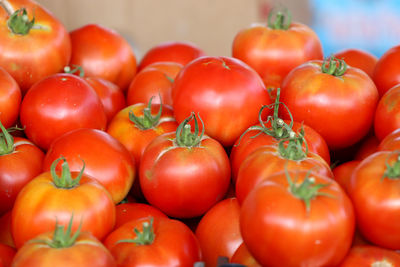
(372, 25)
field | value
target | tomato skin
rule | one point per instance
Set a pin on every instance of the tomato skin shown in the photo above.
(290, 235)
(391, 142)
(324, 102)
(342, 173)
(265, 161)
(387, 113)
(86, 251)
(273, 53)
(373, 194)
(367, 146)
(126, 212)
(171, 51)
(7, 254)
(358, 58)
(102, 52)
(367, 255)
(184, 182)
(243, 256)
(17, 169)
(225, 92)
(174, 245)
(387, 71)
(40, 203)
(5, 230)
(155, 80)
(106, 159)
(60, 103)
(42, 52)
(221, 220)
(10, 99)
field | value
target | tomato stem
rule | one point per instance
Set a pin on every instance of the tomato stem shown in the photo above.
(76, 68)
(280, 17)
(334, 66)
(184, 135)
(144, 237)
(65, 180)
(392, 171)
(146, 121)
(6, 141)
(294, 148)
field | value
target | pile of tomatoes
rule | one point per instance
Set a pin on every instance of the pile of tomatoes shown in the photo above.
(275, 156)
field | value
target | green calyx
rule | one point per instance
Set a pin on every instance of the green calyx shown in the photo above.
(279, 19)
(294, 147)
(392, 171)
(278, 129)
(334, 66)
(19, 22)
(306, 190)
(65, 180)
(76, 68)
(146, 121)
(61, 238)
(144, 237)
(184, 135)
(6, 141)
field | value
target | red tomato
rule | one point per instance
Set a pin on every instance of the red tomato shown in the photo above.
(307, 222)
(64, 249)
(175, 51)
(275, 49)
(126, 212)
(7, 254)
(387, 70)
(104, 53)
(390, 142)
(32, 53)
(154, 242)
(358, 58)
(221, 221)
(369, 256)
(105, 159)
(184, 174)
(10, 99)
(375, 191)
(342, 173)
(323, 94)
(243, 256)
(155, 80)
(387, 114)
(53, 196)
(226, 93)
(60, 103)
(5, 230)
(367, 146)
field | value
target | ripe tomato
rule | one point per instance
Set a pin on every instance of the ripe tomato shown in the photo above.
(225, 92)
(155, 80)
(275, 49)
(171, 51)
(126, 212)
(32, 52)
(358, 58)
(105, 159)
(322, 94)
(7, 254)
(374, 190)
(300, 220)
(387, 113)
(53, 196)
(221, 221)
(367, 146)
(154, 242)
(243, 256)
(390, 142)
(342, 173)
(10, 99)
(20, 162)
(78, 249)
(367, 255)
(183, 173)
(387, 70)
(102, 52)
(60, 103)
(5, 230)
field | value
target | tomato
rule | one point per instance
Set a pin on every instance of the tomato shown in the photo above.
(32, 52)
(155, 80)
(301, 219)
(367, 146)
(387, 70)
(323, 94)
(342, 173)
(7, 254)
(10, 99)
(183, 173)
(374, 190)
(106, 159)
(154, 242)
(366, 256)
(20, 162)
(5, 230)
(104, 53)
(358, 58)
(126, 212)
(171, 51)
(221, 221)
(225, 92)
(387, 114)
(275, 49)
(243, 256)
(64, 248)
(60, 103)
(53, 196)
(390, 142)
